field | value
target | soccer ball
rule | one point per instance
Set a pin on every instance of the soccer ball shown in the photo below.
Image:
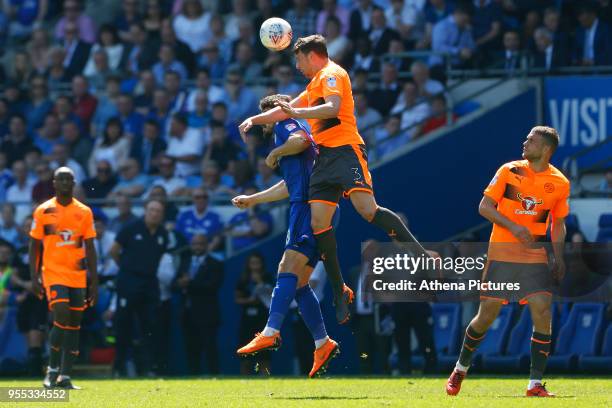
(275, 34)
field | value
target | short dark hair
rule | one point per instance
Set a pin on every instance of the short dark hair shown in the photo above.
(549, 134)
(270, 101)
(313, 43)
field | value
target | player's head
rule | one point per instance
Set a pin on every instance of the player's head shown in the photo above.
(63, 181)
(310, 54)
(270, 102)
(540, 144)
(199, 244)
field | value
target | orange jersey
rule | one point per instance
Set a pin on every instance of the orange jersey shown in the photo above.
(332, 79)
(530, 199)
(63, 231)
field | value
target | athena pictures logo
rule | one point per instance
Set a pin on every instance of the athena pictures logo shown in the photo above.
(528, 203)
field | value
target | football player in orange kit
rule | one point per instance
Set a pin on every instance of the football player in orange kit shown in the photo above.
(522, 200)
(341, 169)
(63, 262)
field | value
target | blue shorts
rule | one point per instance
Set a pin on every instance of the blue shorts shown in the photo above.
(299, 235)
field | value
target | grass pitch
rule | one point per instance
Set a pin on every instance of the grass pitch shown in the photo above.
(325, 392)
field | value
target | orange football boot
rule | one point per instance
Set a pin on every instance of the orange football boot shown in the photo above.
(539, 391)
(453, 385)
(322, 357)
(260, 343)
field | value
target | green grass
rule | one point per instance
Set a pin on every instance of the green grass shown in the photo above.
(326, 392)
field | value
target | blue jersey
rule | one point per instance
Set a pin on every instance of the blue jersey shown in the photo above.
(295, 169)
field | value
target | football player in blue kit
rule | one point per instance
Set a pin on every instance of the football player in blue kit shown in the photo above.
(294, 152)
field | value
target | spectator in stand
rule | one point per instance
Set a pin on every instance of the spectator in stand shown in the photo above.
(168, 62)
(107, 106)
(84, 102)
(16, 143)
(140, 52)
(20, 192)
(219, 38)
(241, 100)
(49, 134)
(185, 145)
(265, 177)
(510, 59)
(380, 34)
(385, 95)
(181, 50)
(439, 115)
(125, 216)
(286, 85)
(253, 294)
(132, 182)
(39, 104)
(108, 41)
(199, 278)
(200, 219)
(43, 189)
(203, 84)
(426, 86)
(413, 110)
(145, 91)
(547, 55)
(107, 268)
(240, 12)
(593, 41)
(434, 11)
(330, 8)
(100, 185)
(101, 72)
(366, 117)
(153, 17)
(391, 137)
(192, 25)
(220, 149)
(249, 226)
(212, 61)
(396, 48)
(6, 177)
(606, 183)
(338, 45)
(25, 16)
(56, 73)
(247, 34)
(78, 145)
(128, 16)
(167, 179)
(172, 85)
(113, 147)
(360, 19)
(210, 179)
(61, 157)
(552, 21)
(38, 49)
(408, 20)
(20, 70)
(74, 15)
(453, 35)
(32, 157)
(149, 147)
(9, 229)
(302, 19)
(364, 59)
(199, 118)
(76, 51)
(245, 63)
(486, 26)
(160, 110)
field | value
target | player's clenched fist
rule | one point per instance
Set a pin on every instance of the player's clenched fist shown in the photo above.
(244, 127)
(243, 201)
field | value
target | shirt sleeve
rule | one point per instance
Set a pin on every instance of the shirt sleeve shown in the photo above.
(37, 231)
(562, 208)
(89, 230)
(332, 84)
(497, 186)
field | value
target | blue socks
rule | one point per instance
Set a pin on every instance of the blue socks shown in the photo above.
(283, 295)
(309, 308)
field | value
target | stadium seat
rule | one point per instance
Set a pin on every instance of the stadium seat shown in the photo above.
(571, 221)
(497, 335)
(447, 331)
(602, 362)
(466, 107)
(605, 228)
(579, 336)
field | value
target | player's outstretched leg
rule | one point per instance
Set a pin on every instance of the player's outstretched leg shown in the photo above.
(310, 310)
(270, 339)
(474, 334)
(61, 318)
(71, 345)
(325, 237)
(541, 315)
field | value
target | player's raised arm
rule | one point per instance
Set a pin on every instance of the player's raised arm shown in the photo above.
(327, 110)
(275, 193)
(273, 115)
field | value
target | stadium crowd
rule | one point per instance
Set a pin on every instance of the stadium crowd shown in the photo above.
(141, 99)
